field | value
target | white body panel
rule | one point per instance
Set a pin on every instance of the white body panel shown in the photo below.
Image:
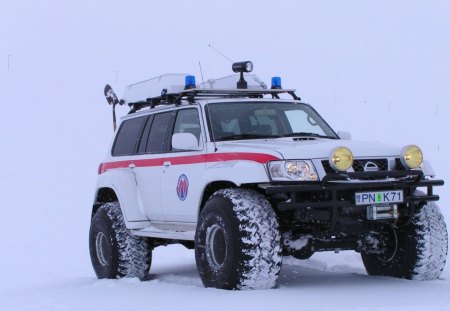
(178, 206)
(148, 180)
(123, 183)
(289, 148)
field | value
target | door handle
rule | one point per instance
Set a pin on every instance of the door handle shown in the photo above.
(167, 163)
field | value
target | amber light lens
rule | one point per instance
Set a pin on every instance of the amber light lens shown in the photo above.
(341, 159)
(411, 156)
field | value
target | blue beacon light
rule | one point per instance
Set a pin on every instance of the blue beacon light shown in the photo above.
(276, 83)
(189, 82)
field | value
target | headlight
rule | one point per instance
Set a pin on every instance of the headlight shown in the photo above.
(341, 159)
(301, 170)
(411, 156)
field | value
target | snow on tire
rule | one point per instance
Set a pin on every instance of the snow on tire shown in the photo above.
(432, 243)
(237, 242)
(115, 253)
(421, 250)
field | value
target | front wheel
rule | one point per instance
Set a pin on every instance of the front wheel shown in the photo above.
(237, 243)
(417, 251)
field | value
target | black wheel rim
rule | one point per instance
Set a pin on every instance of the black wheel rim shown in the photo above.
(216, 247)
(389, 240)
(102, 249)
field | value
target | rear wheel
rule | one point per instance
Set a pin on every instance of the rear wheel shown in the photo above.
(417, 251)
(237, 243)
(115, 253)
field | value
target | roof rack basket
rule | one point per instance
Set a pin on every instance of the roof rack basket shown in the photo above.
(191, 94)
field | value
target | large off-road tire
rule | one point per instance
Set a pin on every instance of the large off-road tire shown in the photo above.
(420, 251)
(237, 242)
(115, 253)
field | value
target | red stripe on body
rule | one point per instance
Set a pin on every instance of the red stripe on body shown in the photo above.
(256, 157)
(195, 159)
(125, 164)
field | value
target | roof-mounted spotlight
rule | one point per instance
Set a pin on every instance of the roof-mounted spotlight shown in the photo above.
(242, 67)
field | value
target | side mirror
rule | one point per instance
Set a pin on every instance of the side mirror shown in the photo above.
(185, 141)
(344, 135)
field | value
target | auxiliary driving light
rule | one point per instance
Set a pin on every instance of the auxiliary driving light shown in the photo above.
(341, 159)
(243, 66)
(411, 156)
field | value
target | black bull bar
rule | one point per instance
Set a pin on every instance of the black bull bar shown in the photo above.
(358, 181)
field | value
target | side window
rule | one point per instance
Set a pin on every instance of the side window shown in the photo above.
(158, 133)
(143, 143)
(188, 121)
(128, 137)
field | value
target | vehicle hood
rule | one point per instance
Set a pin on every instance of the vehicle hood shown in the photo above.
(292, 148)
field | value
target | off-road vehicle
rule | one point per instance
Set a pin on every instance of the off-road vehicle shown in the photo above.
(246, 174)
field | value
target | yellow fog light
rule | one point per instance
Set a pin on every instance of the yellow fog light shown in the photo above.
(411, 156)
(341, 159)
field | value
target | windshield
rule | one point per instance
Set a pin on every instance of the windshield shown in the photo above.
(235, 121)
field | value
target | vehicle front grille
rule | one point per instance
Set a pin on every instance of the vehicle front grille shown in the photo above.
(361, 165)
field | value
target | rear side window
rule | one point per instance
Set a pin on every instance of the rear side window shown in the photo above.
(128, 137)
(157, 138)
(143, 143)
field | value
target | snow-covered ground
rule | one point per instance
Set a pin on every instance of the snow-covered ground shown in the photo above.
(380, 70)
(312, 285)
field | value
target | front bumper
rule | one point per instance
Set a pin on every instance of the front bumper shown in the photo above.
(337, 190)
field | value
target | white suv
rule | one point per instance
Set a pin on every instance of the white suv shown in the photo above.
(245, 177)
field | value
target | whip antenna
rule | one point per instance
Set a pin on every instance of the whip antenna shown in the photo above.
(201, 73)
(218, 52)
(203, 82)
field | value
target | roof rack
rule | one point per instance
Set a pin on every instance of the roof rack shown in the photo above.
(191, 94)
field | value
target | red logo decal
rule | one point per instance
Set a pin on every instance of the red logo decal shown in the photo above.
(182, 187)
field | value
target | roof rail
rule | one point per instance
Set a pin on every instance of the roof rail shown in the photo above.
(191, 94)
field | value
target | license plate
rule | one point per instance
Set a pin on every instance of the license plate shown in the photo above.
(379, 197)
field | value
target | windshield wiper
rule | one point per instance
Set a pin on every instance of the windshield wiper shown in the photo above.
(306, 134)
(247, 136)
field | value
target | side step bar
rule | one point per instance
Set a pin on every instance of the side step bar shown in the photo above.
(153, 232)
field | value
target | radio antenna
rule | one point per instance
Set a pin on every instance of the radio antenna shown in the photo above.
(204, 87)
(201, 73)
(218, 52)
